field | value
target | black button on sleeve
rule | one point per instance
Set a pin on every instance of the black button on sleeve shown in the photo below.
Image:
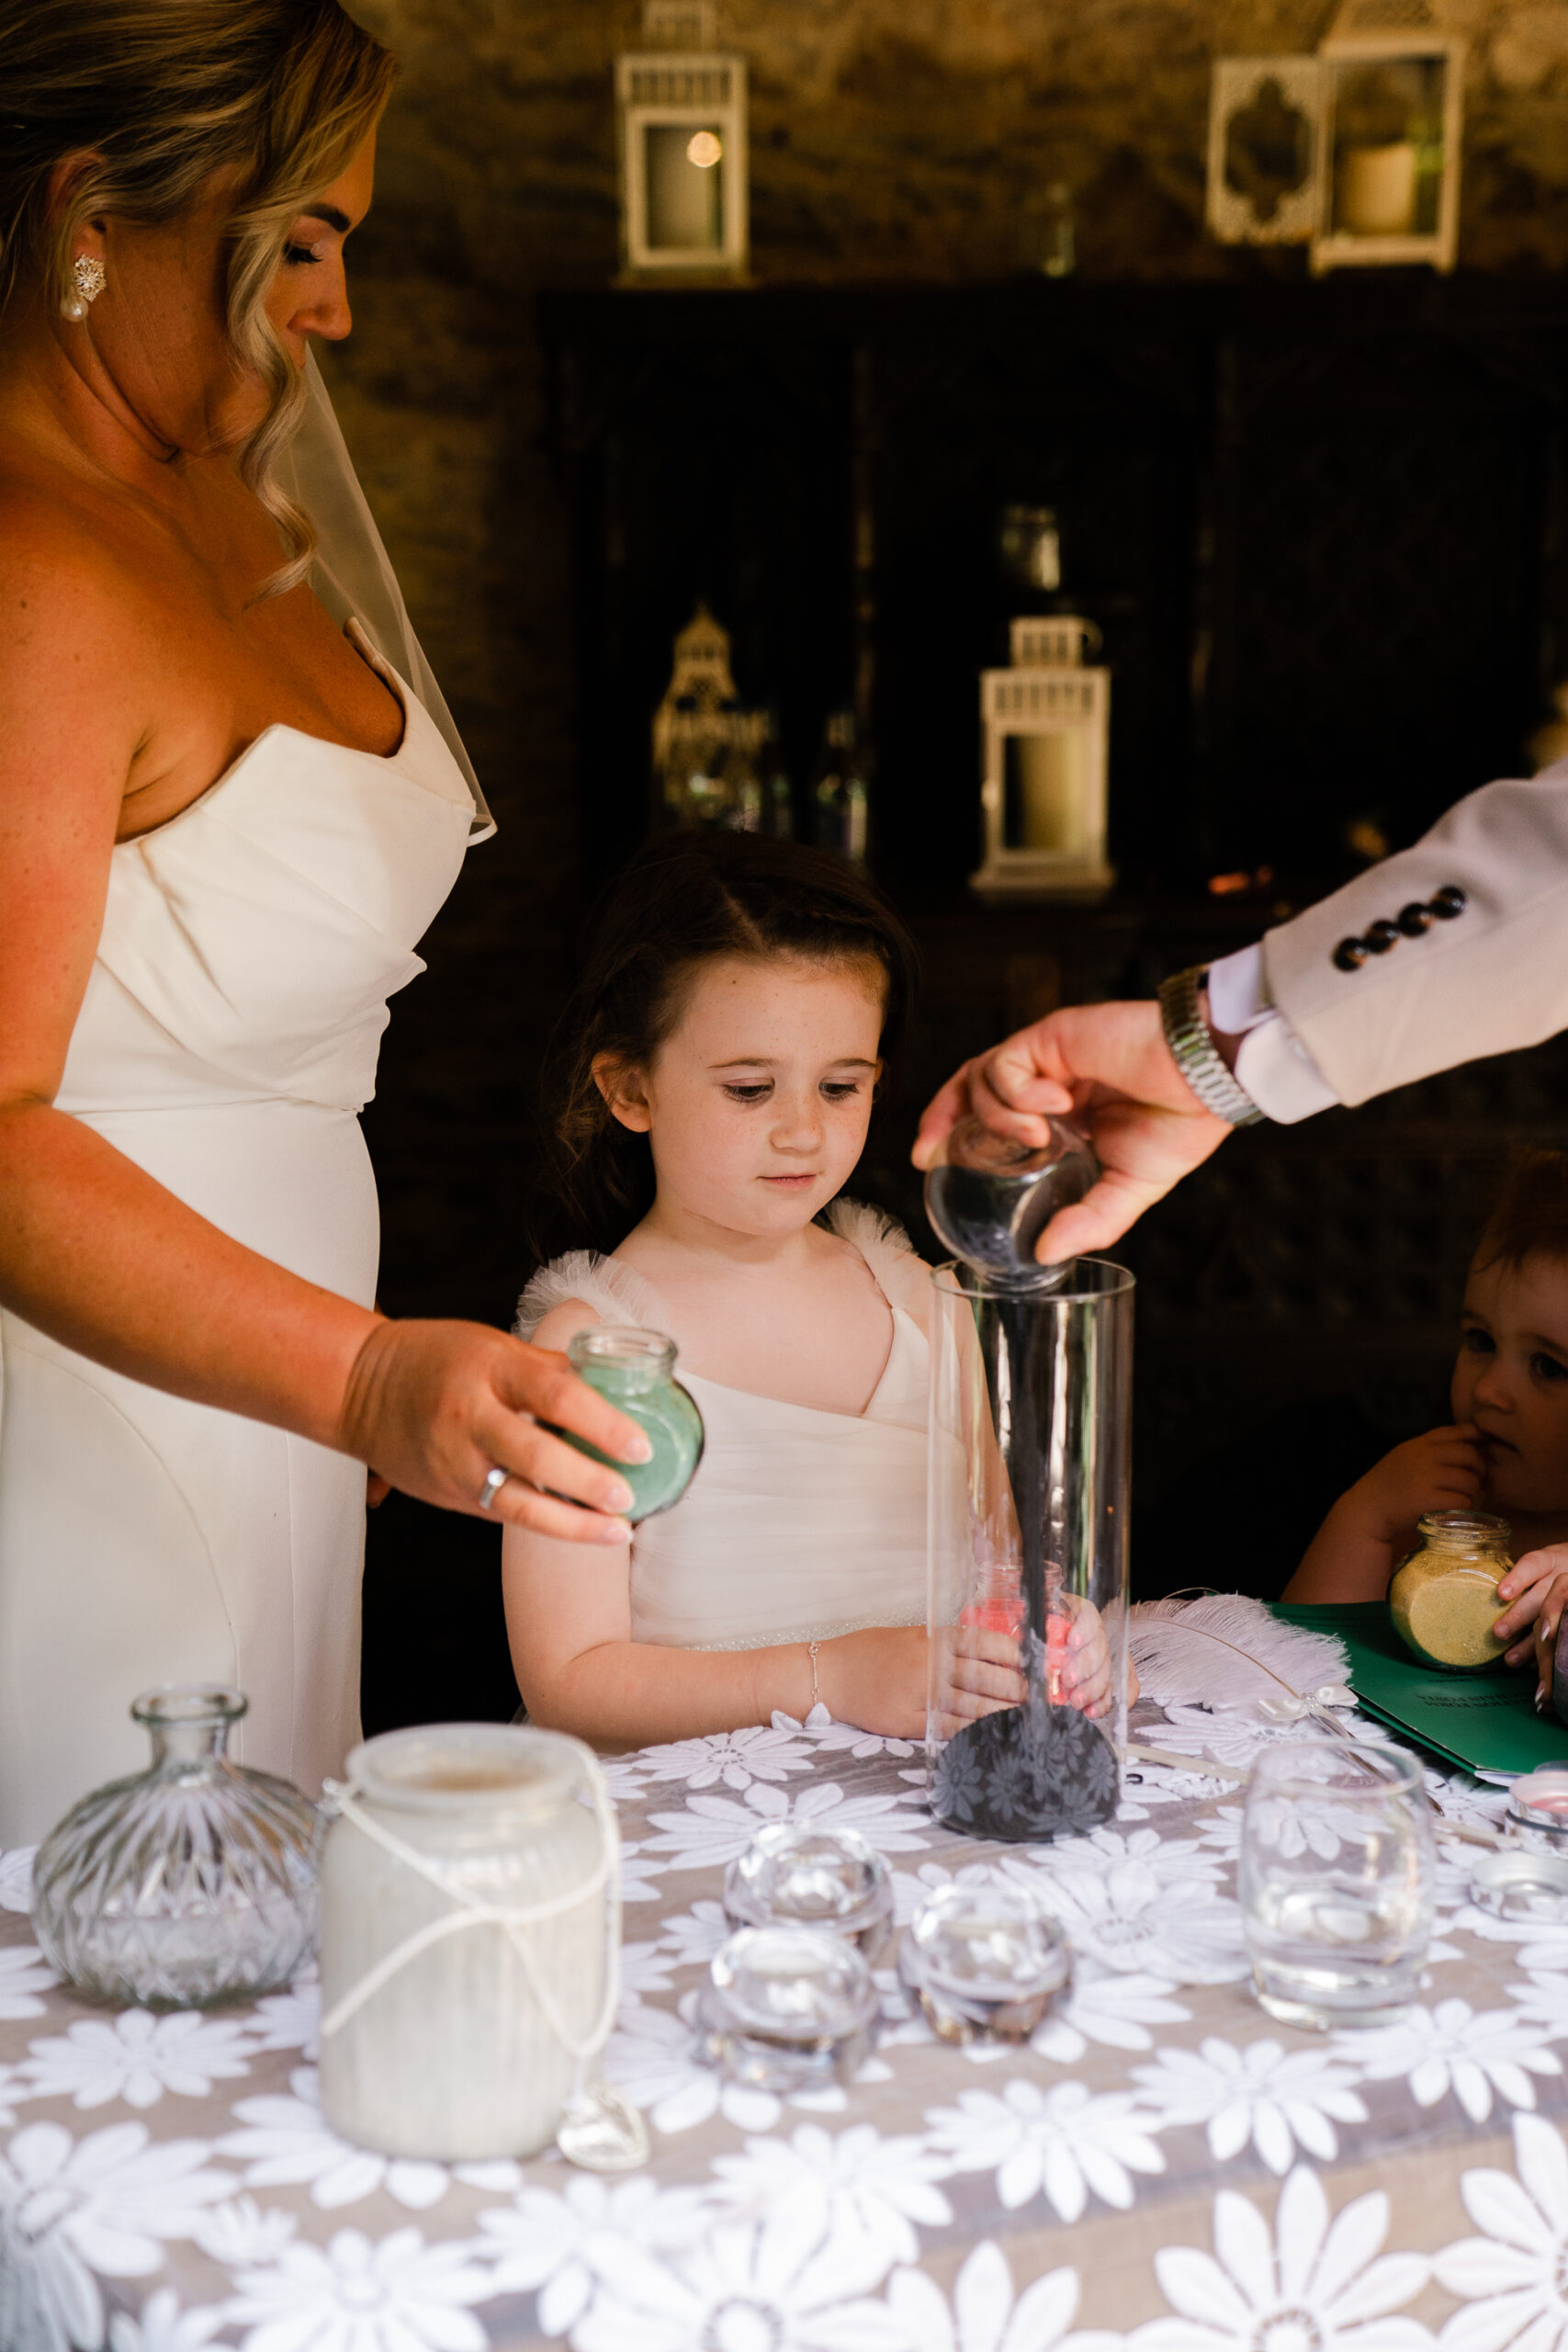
(1449, 900)
(1414, 919)
(1380, 936)
(1350, 954)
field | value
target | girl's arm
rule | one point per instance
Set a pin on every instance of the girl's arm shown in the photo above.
(569, 1623)
(97, 1253)
(1351, 1556)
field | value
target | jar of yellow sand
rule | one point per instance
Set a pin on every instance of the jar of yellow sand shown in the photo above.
(1443, 1596)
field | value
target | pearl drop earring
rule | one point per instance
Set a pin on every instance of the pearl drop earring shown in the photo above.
(88, 279)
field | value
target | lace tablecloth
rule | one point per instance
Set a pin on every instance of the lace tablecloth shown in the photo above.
(1163, 2168)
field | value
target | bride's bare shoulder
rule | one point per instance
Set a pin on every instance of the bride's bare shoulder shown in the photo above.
(69, 592)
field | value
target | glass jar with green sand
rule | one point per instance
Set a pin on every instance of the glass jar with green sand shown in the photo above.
(635, 1370)
(1443, 1595)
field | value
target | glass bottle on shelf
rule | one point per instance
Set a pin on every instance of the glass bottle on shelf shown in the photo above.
(741, 795)
(841, 793)
(778, 792)
(1049, 242)
(686, 784)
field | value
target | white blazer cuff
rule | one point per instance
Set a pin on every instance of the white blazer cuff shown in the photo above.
(1238, 994)
(1271, 1064)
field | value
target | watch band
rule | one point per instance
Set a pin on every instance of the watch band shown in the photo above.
(1195, 1053)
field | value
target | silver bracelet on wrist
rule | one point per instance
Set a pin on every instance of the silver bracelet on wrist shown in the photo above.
(1195, 1054)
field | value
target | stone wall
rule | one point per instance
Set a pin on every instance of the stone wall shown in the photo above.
(890, 137)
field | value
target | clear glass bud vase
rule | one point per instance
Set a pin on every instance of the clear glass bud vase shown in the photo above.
(1029, 1427)
(190, 1883)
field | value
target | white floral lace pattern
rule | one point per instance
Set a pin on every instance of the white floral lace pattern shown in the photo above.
(170, 2184)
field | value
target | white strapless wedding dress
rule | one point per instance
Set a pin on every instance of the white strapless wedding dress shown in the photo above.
(800, 1523)
(227, 1041)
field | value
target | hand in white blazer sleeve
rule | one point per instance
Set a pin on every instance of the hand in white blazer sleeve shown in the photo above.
(1486, 973)
(1450, 950)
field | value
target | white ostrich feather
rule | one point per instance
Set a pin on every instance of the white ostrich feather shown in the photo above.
(1220, 1649)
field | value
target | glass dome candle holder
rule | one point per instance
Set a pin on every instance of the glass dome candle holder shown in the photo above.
(635, 1370)
(794, 1874)
(1538, 1811)
(985, 1963)
(1522, 1884)
(188, 1884)
(1443, 1595)
(788, 2009)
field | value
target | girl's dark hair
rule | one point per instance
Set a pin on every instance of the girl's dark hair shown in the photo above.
(1530, 1215)
(679, 903)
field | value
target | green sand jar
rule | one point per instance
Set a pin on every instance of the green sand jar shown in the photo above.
(635, 1370)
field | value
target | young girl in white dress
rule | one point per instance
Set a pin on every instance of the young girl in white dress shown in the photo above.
(711, 1089)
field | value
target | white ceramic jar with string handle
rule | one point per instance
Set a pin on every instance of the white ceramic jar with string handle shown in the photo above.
(469, 1938)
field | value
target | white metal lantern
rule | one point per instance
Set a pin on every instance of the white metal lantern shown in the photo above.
(1265, 149)
(1045, 726)
(1393, 124)
(684, 166)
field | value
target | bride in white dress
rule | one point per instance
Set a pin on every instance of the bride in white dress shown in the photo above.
(225, 821)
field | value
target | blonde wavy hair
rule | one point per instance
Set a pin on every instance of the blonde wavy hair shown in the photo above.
(158, 97)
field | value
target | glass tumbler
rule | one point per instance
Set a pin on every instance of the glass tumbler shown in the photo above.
(1030, 1428)
(1338, 1858)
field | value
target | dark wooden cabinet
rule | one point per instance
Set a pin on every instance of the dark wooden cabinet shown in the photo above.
(1321, 528)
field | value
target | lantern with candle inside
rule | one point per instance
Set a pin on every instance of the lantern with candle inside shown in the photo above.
(1393, 100)
(1045, 726)
(681, 118)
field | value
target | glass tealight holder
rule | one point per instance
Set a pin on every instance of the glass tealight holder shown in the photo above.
(187, 1884)
(788, 2009)
(1523, 1884)
(795, 1875)
(635, 1370)
(984, 1962)
(1538, 1811)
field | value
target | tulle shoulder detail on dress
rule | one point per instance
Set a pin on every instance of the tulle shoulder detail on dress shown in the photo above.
(904, 1278)
(615, 1293)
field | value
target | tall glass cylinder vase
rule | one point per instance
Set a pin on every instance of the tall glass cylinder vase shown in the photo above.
(1030, 1422)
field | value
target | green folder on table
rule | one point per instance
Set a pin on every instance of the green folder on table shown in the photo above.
(1485, 1720)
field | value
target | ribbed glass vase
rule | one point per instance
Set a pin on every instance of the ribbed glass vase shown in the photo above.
(191, 1883)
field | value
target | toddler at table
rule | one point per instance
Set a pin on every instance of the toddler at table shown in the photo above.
(710, 1090)
(1507, 1449)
